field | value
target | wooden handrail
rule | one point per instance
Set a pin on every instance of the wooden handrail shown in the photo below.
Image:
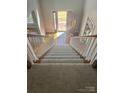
(89, 36)
(30, 34)
(94, 36)
(85, 36)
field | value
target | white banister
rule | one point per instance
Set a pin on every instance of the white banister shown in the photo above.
(40, 44)
(30, 52)
(86, 46)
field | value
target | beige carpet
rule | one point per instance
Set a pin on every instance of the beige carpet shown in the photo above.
(61, 78)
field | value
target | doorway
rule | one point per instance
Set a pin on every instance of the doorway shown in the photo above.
(62, 21)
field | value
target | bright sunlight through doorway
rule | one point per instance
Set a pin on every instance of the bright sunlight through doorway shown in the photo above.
(62, 19)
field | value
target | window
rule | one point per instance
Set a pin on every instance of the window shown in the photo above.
(30, 19)
(89, 27)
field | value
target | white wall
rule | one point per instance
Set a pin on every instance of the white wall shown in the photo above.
(33, 5)
(76, 6)
(91, 12)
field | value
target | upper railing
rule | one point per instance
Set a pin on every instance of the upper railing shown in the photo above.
(40, 43)
(89, 36)
(31, 34)
(35, 40)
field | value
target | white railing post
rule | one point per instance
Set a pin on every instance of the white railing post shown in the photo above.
(31, 52)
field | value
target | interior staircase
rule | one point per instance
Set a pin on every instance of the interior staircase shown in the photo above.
(62, 70)
(62, 54)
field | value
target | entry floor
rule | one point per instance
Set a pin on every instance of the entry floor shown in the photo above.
(61, 78)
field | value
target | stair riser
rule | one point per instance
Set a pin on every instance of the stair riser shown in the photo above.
(62, 51)
(62, 57)
(62, 54)
(62, 61)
